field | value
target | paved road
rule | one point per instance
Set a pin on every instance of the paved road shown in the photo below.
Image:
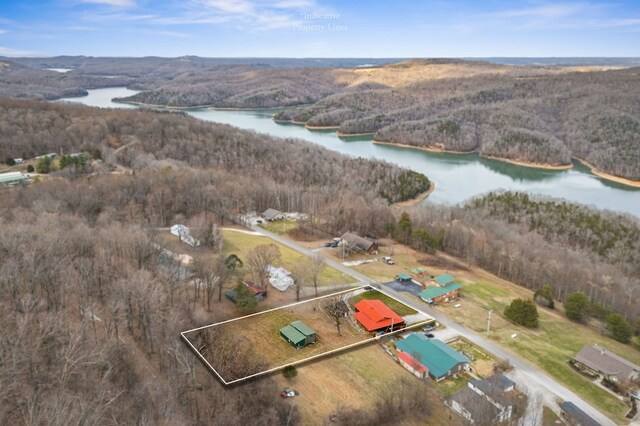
(535, 380)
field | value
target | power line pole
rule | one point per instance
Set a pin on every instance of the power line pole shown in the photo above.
(489, 322)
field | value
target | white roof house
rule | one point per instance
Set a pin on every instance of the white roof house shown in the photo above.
(12, 178)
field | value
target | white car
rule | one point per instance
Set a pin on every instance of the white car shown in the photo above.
(635, 394)
(388, 260)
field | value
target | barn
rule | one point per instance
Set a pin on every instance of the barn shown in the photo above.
(374, 316)
(298, 334)
(438, 359)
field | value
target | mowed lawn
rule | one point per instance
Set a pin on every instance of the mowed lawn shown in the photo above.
(240, 243)
(549, 347)
(261, 333)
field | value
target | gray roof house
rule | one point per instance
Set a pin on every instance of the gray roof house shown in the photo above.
(272, 214)
(572, 415)
(486, 401)
(602, 361)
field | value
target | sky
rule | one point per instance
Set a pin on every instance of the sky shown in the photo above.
(320, 28)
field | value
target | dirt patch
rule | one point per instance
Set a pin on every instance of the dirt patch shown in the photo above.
(443, 263)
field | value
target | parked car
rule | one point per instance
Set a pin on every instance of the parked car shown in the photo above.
(429, 335)
(457, 305)
(288, 393)
(635, 394)
(388, 260)
(428, 328)
(259, 221)
(328, 244)
(334, 244)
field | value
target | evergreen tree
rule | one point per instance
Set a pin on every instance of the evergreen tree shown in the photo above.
(544, 297)
(404, 227)
(245, 300)
(43, 165)
(577, 306)
(522, 312)
(619, 328)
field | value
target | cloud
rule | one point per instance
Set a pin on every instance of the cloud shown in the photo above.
(116, 3)
(7, 51)
(2, 31)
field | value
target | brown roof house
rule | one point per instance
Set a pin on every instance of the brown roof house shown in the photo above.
(357, 243)
(607, 364)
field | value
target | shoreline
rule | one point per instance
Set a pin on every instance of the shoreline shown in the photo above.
(418, 199)
(506, 160)
(604, 175)
(531, 165)
(321, 127)
(423, 148)
(353, 135)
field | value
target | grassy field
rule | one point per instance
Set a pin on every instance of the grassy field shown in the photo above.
(241, 243)
(280, 227)
(399, 308)
(357, 378)
(482, 362)
(549, 347)
(261, 335)
(549, 418)
(452, 385)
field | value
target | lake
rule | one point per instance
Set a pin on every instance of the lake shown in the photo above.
(458, 177)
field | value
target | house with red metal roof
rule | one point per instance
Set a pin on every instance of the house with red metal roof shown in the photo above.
(374, 315)
(412, 365)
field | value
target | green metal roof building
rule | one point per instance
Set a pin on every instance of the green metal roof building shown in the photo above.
(435, 355)
(444, 280)
(298, 334)
(403, 277)
(433, 292)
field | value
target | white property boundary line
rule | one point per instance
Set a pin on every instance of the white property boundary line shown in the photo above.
(304, 360)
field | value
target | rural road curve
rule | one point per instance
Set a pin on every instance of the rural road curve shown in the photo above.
(536, 379)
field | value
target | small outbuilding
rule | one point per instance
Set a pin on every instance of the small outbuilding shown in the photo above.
(259, 293)
(403, 278)
(572, 415)
(298, 334)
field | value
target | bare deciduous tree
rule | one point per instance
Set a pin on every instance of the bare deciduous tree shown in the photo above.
(259, 259)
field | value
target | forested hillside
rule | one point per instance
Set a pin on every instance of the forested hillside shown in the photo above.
(32, 128)
(546, 118)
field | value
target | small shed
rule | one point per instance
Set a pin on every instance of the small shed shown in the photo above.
(572, 415)
(293, 336)
(403, 278)
(308, 332)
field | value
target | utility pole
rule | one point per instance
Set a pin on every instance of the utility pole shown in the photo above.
(489, 322)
